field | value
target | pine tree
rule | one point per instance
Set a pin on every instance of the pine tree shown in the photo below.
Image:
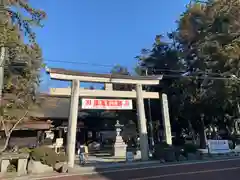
(22, 62)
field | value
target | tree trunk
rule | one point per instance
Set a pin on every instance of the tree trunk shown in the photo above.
(202, 133)
(6, 143)
(192, 132)
(9, 132)
(202, 136)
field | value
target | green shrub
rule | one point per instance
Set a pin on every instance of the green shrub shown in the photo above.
(161, 150)
(162, 145)
(25, 150)
(47, 156)
(190, 148)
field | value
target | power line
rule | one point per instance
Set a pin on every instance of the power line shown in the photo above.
(202, 77)
(80, 63)
(112, 65)
(109, 65)
(103, 65)
(197, 75)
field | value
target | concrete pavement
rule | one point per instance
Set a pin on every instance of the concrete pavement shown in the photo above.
(219, 169)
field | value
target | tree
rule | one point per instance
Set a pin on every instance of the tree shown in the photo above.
(120, 70)
(19, 14)
(22, 65)
(163, 59)
(201, 56)
(208, 35)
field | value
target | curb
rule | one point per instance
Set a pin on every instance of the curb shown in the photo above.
(88, 169)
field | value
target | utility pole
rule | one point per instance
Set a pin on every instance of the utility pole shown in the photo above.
(3, 50)
(202, 115)
(2, 58)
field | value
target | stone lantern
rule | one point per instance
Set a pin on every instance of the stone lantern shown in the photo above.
(119, 146)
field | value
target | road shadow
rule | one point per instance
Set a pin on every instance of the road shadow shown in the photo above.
(117, 169)
(104, 169)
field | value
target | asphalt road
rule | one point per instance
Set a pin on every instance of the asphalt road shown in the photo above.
(219, 170)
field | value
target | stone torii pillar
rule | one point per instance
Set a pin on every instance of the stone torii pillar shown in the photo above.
(142, 123)
(72, 123)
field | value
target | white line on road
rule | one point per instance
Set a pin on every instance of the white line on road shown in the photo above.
(186, 173)
(133, 169)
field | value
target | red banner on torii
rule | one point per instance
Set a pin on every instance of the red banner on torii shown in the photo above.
(113, 104)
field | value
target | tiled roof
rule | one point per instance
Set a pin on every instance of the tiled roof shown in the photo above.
(54, 107)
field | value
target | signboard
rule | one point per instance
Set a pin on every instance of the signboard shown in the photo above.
(49, 134)
(58, 145)
(218, 146)
(112, 104)
(166, 119)
(59, 142)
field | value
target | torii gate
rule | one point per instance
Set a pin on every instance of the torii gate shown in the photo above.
(108, 79)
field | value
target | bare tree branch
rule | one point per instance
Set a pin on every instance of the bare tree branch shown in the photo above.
(4, 126)
(15, 125)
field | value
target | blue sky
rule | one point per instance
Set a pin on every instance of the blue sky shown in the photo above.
(102, 32)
